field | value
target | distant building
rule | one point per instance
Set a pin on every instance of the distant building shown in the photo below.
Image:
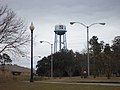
(10, 70)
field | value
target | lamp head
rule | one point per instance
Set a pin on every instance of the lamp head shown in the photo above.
(72, 23)
(31, 26)
(41, 41)
(102, 23)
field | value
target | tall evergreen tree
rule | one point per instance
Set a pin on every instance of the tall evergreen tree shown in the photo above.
(107, 51)
(96, 49)
(116, 55)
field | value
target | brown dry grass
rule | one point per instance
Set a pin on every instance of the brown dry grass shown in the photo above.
(21, 85)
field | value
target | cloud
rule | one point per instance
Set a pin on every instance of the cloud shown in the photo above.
(70, 8)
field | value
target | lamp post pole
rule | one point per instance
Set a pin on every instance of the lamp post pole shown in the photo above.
(51, 61)
(51, 69)
(88, 59)
(31, 28)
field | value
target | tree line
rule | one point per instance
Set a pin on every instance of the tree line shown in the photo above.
(104, 61)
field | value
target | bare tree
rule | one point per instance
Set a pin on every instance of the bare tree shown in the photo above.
(13, 34)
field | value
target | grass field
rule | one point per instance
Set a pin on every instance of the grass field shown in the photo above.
(22, 85)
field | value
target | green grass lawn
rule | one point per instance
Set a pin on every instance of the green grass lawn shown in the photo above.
(20, 84)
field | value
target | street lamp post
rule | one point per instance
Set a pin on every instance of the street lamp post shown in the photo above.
(31, 29)
(88, 61)
(51, 70)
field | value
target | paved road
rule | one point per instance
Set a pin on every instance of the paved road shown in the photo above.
(108, 84)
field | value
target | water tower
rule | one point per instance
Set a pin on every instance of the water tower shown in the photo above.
(60, 38)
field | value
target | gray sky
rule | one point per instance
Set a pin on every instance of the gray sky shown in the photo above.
(45, 14)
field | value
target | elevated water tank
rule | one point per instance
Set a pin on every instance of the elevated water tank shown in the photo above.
(60, 29)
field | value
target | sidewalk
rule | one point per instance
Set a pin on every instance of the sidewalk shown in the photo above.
(86, 83)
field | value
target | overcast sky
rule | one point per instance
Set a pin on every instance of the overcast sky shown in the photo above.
(45, 14)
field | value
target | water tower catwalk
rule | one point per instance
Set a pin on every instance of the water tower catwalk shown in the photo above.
(60, 38)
